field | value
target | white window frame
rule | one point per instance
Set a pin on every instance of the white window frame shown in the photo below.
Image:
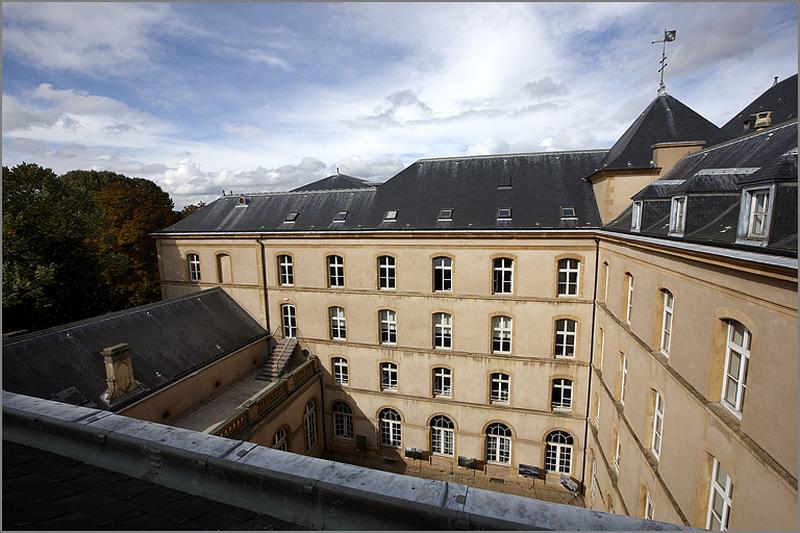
(502, 327)
(500, 388)
(341, 371)
(389, 376)
(338, 323)
(724, 491)
(739, 380)
(442, 436)
(388, 326)
(624, 379)
(194, 267)
(342, 420)
(335, 271)
(649, 511)
(636, 216)
(597, 412)
(289, 320)
(391, 429)
(443, 269)
(606, 270)
(602, 348)
(569, 277)
(387, 273)
(443, 331)
(564, 386)
(617, 454)
(667, 317)
(502, 275)
(442, 382)
(285, 270)
(498, 444)
(565, 339)
(658, 425)
(747, 213)
(629, 299)
(310, 425)
(594, 480)
(558, 454)
(677, 215)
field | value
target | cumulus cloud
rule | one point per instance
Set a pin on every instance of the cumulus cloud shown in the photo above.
(544, 88)
(372, 169)
(489, 146)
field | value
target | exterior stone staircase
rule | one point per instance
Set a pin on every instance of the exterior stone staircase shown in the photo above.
(281, 353)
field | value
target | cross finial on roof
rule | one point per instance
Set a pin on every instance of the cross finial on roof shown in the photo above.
(669, 36)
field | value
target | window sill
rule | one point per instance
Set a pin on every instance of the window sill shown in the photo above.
(561, 409)
(732, 419)
(389, 390)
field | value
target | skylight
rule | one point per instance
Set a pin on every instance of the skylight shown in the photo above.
(504, 182)
(568, 212)
(291, 217)
(390, 216)
(504, 213)
(445, 214)
(340, 216)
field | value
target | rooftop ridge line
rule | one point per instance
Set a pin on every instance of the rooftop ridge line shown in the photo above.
(371, 188)
(749, 136)
(512, 154)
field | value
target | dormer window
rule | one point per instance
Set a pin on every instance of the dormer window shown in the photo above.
(445, 215)
(340, 216)
(754, 214)
(567, 213)
(636, 216)
(390, 216)
(291, 217)
(677, 216)
(504, 213)
(504, 182)
(242, 201)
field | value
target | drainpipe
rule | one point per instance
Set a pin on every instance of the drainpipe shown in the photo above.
(264, 283)
(591, 361)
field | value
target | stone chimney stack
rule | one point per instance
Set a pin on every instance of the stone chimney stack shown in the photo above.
(119, 372)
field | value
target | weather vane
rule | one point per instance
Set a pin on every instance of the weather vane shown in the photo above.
(669, 36)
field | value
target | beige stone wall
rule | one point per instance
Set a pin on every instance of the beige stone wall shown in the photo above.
(613, 191)
(759, 450)
(177, 398)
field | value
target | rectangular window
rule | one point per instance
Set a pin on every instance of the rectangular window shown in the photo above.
(442, 384)
(291, 217)
(388, 376)
(338, 328)
(390, 216)
(562, 395)
(289, 321)
(502, 275)
(504, 213)
(501, 388)
(677, 216)
(442, 274)
(335, 271)
(737, 359)
(310, 427)
(566, 331)
(623, 378)
(442, 331)
(758, 207)
(340, 371)
(666, 322)
(629, 303)
(568, 273)
(341, 216)
(636, 216)
(194, 267)
(445, 215)
(658, 424)
(602, 349)
(501, 334)
(649, 512)
(386, 272)
(597, 410)
(719, 499)
(388, 320)
(285, 270)
(568, 213)
(605, 283)
(504, 182)
(617, 452)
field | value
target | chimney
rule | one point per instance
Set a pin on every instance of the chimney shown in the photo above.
(763, 120)
(119, 372)
(775, 81)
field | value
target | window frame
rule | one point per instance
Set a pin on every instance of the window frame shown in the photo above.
(677, 215)
(636, 216)
(387, 326)
(499, 388)
(629, 299)
(341, 370)
(387, 273)
(668, 311)
(442, 382)
(561, 350)
(623, 378)
(502, 334)
(280, 441)
(446, 328)
(564, 266)
(442, 439)
(557, 453)
(389, 370)
(565, 386)
(285, 270)
(649, 510)
(617, 454)
(310, 425)
(745, 233)
(443, 271)
(657, 437)
(335, 265)
(193, 262)
(743, 352)
(338, 323)
(498, 446)
(503, 275)
(342, 420)
(725, 493)
(390, 428)
(289, 321)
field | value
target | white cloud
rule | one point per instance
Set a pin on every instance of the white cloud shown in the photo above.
(490, 146)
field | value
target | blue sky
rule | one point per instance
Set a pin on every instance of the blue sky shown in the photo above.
(247, 97)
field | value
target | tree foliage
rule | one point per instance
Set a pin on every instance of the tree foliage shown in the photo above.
(77, 245)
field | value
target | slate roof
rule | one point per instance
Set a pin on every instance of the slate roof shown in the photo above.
(665, 119)
(44, 491)
(781, 99)
(540, 184)
(337, 181)
(713, 179)
(168, 340)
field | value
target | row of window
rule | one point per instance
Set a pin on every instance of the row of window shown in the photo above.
(280, 441)
(558, 444)
(502, 274)
(442, 383)
(442, 330)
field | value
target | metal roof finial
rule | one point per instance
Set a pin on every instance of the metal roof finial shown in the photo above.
(669, 36)
(337, 171)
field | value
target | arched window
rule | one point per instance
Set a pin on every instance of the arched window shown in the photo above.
(501, 334)
(224, 271)
(666, 321)
(388, 376)
(342, 420)
(388, 326)
(338, 329)
(568, 276)
(442, 274)
(310, 425)
(289, 321)
(390, 428)
(341, 372)
(501, 388)
(737, 360)
(720, 498)
(498, 444)
(194, 267)
(386, 272)
(442, 330)
(442, 382)
(280, 440)
(335, 271)
(565, 337)
(442, 436)
(562, 395)
(502, 275)
(285, 270)
(558, 452)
